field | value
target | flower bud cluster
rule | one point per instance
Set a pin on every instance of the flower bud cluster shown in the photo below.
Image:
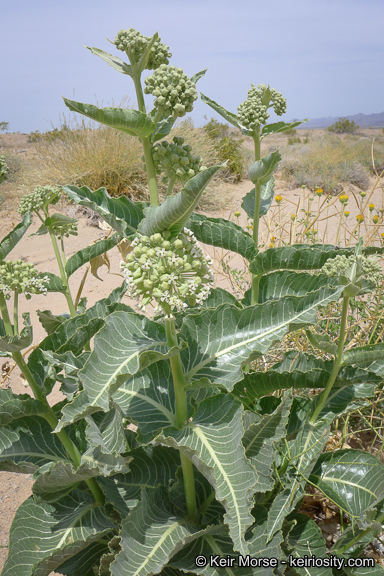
(3, 168)
(132, 40)
(174, 92)
(22, 277)
(339, 265)
(176, 160)
(40, 198)
(67, 229)
(254, 110)
(170, 270)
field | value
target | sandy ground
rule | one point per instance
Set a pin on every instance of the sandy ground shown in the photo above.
(15, 488)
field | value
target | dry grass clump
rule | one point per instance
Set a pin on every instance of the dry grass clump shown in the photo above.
(329, 161)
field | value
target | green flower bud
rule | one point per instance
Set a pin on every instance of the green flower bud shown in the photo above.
(23, 278)
(134, 43)
(169, 80)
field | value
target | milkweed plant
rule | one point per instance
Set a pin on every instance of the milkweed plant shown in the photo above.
(173, 451)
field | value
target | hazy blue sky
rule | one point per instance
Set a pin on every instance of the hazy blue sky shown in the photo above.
(325, 56)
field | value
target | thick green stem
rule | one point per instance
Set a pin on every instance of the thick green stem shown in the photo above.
(337, 365)
(358, 537)
(182, 418)
(256, 218)
(151, 172)
(5, 315)
(63, 275)
(170, 186)
(16, 311)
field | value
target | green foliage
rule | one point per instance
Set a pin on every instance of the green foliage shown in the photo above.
(227, 148)
(344, 126)
(4, 126)
(171, 444)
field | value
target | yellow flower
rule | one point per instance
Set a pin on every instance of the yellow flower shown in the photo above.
(375, 219)
(237, 213)
(319, 191)
(360, 218)
(346, 213)
(344, 198)
(371, 207)
(293, 217)
(278, 198)
(382, 235)
(273, 238)
(272, 245)
(363, 194)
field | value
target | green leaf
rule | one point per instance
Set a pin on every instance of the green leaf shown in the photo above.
(363, 354)
(305, 539)
(218, 354)
(302, 453)
(175, 211)
(54, 284)
(212, 441)
(82, 563)
(131, 122)
(120, 213)
(28, 443)
(280, 127)
(198, 75)
(282, 283)
(126, 344)
(50, 322)
(223, 234)
(8, 243)
(44, 535)
(113, 61)
(147, 399)
(322, 342)
(296, 257)
(87, 254)
(259, 441)
(14, 406)
(56, 220)
(11, 344)
(106, 430)
(163, 128)
(262, 170)
(150, 535)
(228, 116)
(151, 466)
(353, 479)
(266, 197)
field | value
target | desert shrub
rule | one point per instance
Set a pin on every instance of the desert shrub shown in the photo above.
(227, 148)
(4, 126)
(343, 126)
(329, 162)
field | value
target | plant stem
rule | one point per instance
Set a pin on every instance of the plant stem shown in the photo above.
(16, 312)
(358, 537)
(170, 186)
(337, 365)
(63, 275)
(256, 218)
(5, 315)
(181, 417)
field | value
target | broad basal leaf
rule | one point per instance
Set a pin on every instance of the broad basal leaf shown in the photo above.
(90, 252)
(147, 399)
(150, 535)
(9, 242)
(150, 467)
(259, 440)
(223, 234)
(120, 213)
(126, 344)
(212, 441)
(262, 170)
(131, 122)
(266, 197)
(175, 211)
(107, 431)
(305, 539)
(364, 354)
(302, 453)
(14, 406)
(353, 479)
(44, 535)
(217, 352)
(49, 321)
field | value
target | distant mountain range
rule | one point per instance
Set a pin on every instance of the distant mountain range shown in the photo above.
(363, 120)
